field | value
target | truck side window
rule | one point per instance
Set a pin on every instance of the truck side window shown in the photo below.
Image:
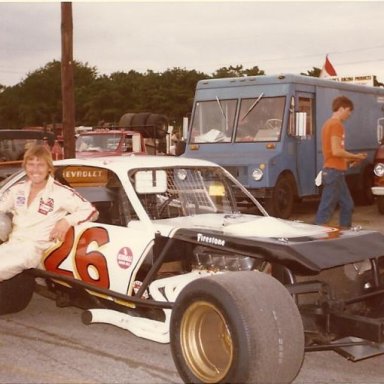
(306, 105)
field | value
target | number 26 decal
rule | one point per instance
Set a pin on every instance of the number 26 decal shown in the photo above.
(90, 266)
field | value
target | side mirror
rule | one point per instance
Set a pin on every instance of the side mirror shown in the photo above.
(152, 181)
(301, 124)
(380, 130)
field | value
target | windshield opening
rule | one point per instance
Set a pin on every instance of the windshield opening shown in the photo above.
(260, 119)
(187, 192)
(213, 121)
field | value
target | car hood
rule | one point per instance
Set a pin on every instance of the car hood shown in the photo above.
(303, 247)
(247, 226)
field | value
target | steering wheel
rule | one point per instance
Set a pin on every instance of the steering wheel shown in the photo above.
(165, 205)
(273, 124)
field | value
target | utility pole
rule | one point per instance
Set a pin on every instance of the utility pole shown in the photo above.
(67, 87)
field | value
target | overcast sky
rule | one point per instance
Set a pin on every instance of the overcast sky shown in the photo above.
(278, 37)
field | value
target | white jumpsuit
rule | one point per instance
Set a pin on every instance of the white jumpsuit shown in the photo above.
(31, 225)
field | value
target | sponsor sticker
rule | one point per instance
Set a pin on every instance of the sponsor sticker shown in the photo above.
(124, 257)
(20, 201)
(46, 206)
(210, 240)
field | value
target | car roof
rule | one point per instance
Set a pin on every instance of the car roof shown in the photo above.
(133, 162)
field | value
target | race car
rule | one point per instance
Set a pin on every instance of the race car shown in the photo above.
(183, 254)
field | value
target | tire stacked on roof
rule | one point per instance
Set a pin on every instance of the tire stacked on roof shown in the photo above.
(149, 124)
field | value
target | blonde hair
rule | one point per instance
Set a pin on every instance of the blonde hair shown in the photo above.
(41, 152)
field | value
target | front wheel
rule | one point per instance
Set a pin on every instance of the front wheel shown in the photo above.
(283, 196)
(16, 293)
(237, 327)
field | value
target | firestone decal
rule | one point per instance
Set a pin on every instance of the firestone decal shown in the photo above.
(210, 240)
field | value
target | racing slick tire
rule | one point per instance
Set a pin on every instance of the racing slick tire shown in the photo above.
(236, 327)
(159, 123)
(139, 120)
(125, 120)
(16, 293)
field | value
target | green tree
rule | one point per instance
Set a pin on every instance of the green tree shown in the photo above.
(237, 71)
(36, 101)
(314, 72)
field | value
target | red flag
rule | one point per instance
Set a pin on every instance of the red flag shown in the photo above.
(327, 69)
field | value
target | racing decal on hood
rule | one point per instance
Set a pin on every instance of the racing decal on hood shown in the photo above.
(210, 240)
(125, 257)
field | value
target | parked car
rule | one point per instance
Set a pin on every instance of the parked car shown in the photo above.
(175, 258)
(13, 143)
(105, 142)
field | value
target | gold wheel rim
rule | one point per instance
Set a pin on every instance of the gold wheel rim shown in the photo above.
(206, 342)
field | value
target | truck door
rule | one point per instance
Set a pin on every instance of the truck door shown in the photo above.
(306, 147)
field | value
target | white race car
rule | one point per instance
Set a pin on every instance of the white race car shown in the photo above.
(177, 256)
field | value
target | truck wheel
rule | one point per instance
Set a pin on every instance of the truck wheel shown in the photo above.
(380, 204)
(283, 198)
(237, 327)
(16, 293)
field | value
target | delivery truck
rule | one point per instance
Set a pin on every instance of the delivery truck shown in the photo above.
(266, 131)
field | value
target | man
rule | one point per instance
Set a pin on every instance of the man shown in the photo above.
(336, 162)
(43, 210)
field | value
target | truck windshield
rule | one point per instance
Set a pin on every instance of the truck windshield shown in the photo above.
(213, 121)
(260, 120)
(98, 142)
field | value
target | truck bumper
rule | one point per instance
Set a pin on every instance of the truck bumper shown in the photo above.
(378, 191)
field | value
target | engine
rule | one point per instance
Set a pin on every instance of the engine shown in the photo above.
(213, 260)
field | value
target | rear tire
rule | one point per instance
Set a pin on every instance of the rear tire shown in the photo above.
(16, 293)
(237, 327)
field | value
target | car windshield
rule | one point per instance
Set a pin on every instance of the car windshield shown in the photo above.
(177, 192)
(98, 143)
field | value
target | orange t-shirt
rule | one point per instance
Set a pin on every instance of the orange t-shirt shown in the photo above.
(333, 127)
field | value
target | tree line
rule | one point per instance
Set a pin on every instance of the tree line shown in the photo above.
(36, 101)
